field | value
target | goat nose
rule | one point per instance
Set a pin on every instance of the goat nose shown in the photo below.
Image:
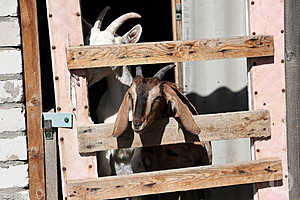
(137, 123)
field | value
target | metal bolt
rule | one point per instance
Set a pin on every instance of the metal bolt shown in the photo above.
(50, 15)
(253, 33)
(86, 107)
(78, 14)
(58, 108)
(66, 120)
(90, 166)
(53, 47)
(62, 139)
(255, 92)
(252, 2)
(282, 61)
(56, 78)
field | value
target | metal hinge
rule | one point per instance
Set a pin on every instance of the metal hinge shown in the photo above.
(178, 11)
(51, 120)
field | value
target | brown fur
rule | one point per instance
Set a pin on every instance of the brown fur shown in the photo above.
(167, 100)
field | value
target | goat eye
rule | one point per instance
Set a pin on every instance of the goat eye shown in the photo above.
(130, 96)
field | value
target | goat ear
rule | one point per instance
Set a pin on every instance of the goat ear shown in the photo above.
(133, 35)
(182, 108)
(122, 118)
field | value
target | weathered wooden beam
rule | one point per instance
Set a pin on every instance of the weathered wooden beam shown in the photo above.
(213, 127)
(171, 51)
(176, 180)
(33, 96)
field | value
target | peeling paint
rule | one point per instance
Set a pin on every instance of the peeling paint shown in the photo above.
(11, 91)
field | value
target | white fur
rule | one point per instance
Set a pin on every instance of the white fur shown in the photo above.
(118, 81)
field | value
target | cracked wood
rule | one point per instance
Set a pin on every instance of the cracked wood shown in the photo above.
(171, 51)
(222, 126)
(176, 180)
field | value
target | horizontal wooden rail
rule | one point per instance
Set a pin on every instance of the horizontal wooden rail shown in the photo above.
(171, 51)
(213, 127)
(176, 180)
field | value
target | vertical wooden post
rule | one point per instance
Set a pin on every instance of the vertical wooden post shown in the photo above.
(292, 71)
(177, 35)
(70, 90)
(33, 96)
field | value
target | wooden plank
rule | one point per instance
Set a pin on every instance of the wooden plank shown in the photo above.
(267, 84)
(213, 127)
(177, 35)
(33, 96)
(292, 72)
(176, 180)
(70, 89)
(171, 51)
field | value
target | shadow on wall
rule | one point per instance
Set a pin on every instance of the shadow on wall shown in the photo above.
(221, 100)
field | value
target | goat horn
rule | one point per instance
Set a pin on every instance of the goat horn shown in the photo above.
(113, 27)
(138, 71)
(160, 74)
(102, 15)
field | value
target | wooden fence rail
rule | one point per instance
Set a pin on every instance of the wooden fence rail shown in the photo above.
(176, 180)
(222, 126)
(171, 51)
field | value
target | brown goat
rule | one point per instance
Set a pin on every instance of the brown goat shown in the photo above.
(152, 99)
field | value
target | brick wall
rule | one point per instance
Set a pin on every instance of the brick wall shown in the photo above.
(13, 146)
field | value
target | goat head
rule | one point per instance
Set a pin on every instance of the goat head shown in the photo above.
(152, 99)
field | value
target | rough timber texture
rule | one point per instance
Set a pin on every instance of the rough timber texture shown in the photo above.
(292, 71)
(33, 97)
(213, 127)
(164, 52)
(176, 180)
(65, 30)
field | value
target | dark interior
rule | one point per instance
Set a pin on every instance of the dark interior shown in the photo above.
(156, 22)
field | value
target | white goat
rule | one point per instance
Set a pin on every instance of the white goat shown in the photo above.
(151, 100)
(119, 79)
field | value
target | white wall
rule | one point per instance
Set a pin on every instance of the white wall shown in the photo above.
(218, 85)
(13, 145)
